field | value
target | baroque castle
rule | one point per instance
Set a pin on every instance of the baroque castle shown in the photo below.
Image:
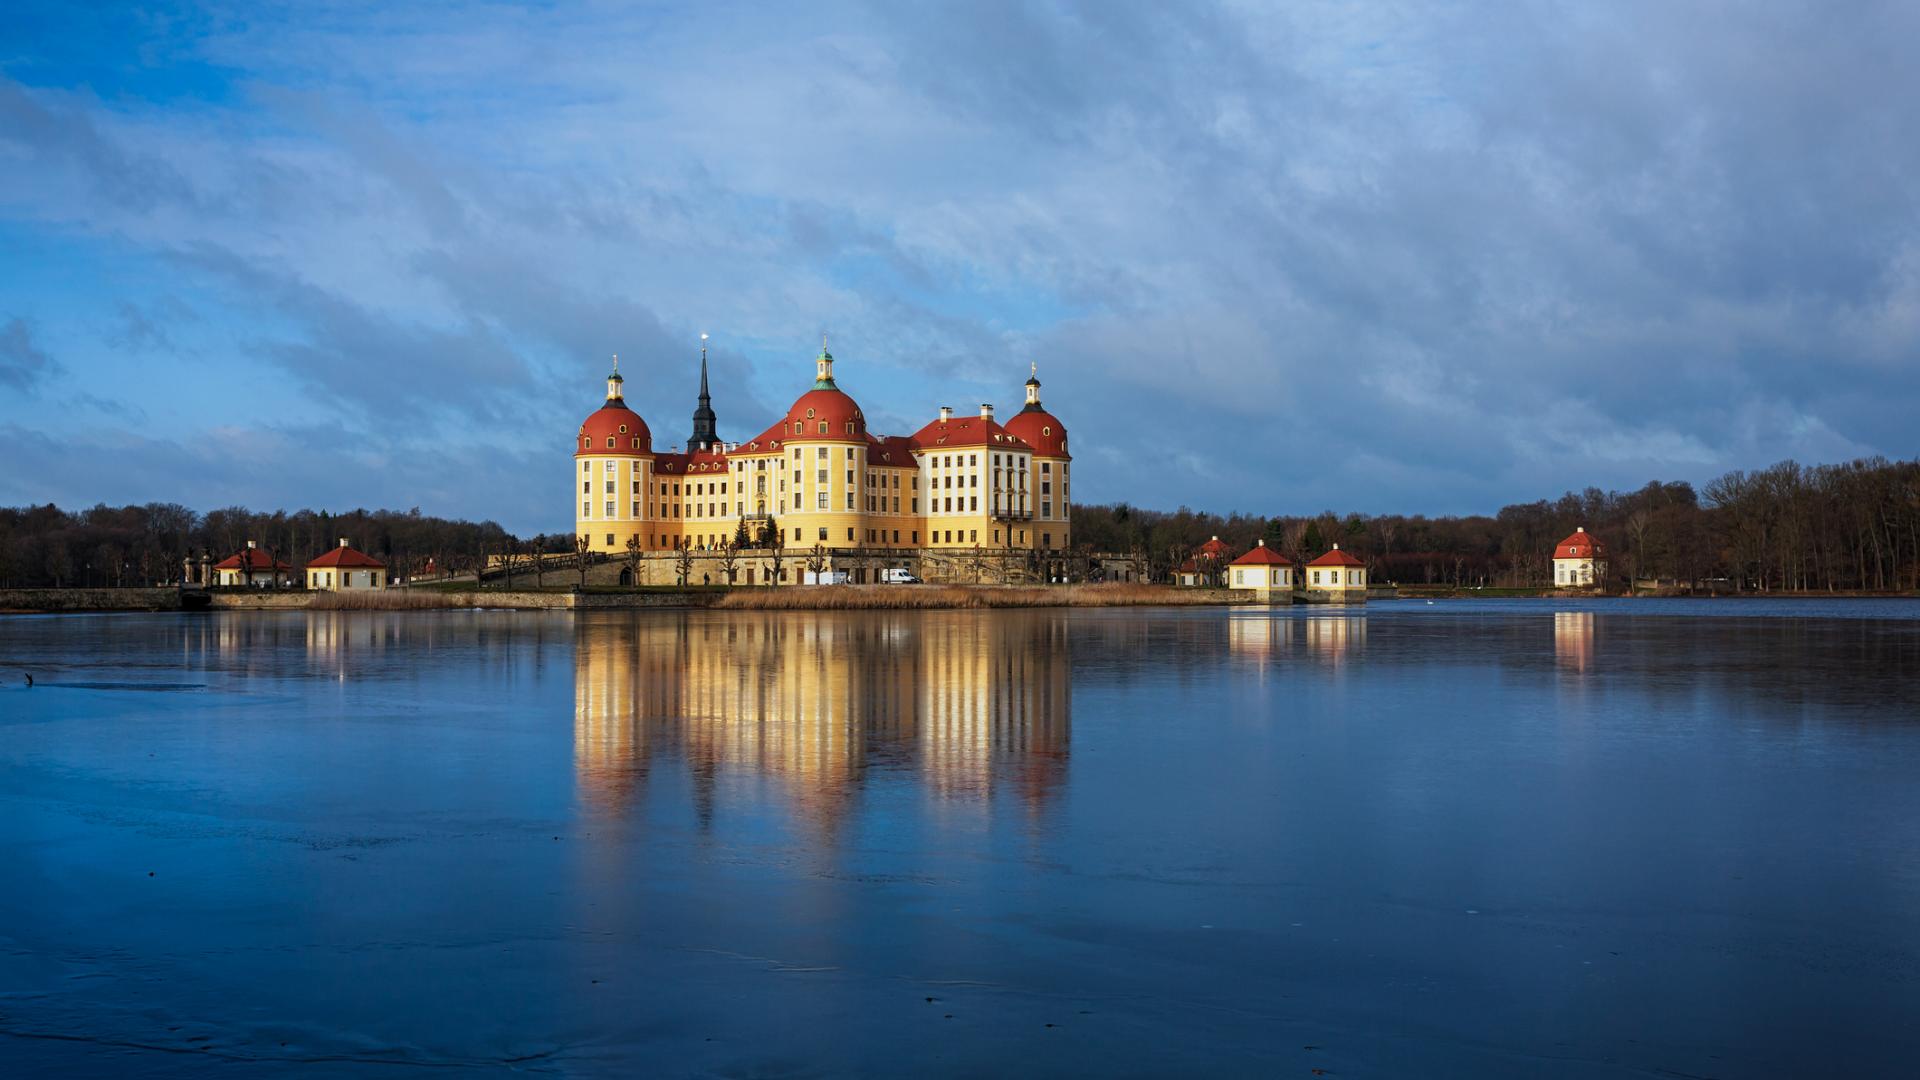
(819, 478)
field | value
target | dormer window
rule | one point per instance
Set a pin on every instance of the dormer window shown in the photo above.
(809, 414)
(1048, 430)
(609, 442)
(823, 425)
(636, 444)
(623, 429)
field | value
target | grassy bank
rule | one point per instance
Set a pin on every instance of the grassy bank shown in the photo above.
(909, 597)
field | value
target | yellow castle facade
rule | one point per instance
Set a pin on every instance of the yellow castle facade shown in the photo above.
(819, 478)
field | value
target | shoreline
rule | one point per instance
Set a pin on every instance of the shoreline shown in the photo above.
(788, 598)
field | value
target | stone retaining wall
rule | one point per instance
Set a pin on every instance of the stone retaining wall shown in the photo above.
(61, 600)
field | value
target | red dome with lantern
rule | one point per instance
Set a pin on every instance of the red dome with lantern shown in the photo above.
(613, 428)
(1036, 426)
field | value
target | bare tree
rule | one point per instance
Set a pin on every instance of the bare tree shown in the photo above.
(582, 556)
(633, 557)
(816, 560)
(683, 561)
(775, 539)
(730, 555)
(539, 546)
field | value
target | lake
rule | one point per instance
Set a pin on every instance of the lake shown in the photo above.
(1505, 838)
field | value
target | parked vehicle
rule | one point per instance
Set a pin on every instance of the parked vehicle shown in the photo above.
(897, 576)
(827, 577)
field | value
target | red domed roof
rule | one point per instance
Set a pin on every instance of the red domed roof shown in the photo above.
(828, 406)
(613, 429)
(1041, 430)
(1580, 545)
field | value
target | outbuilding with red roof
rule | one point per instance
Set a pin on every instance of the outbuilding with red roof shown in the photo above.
(1579, 561)
(1264, 573)
(1337, 578)
(344, 569)
(252, 567)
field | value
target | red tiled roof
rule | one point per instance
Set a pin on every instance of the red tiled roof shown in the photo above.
(966, 431)
(346, 557)
(1042, 431)
(1580, 545)
(1262, 555)
(891, 450)
(256, 559)
(616, 422)
(693, 464)
(1213, 549)
(1336, 557)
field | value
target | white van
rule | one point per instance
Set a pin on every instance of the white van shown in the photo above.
(897, 576)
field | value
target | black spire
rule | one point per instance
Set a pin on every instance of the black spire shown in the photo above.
(703, 418)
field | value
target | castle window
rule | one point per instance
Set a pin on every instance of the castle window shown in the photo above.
(796, 431)
(623, 429)
(586, 466)
(609, 442)
(809, 414)
(849, 427)
(1047, 430)
(636, 444)
(823, 532)
(823, 427)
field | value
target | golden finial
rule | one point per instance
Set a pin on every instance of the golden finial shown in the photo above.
(616, 363)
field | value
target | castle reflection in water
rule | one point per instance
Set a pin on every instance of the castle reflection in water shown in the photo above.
(976, 705)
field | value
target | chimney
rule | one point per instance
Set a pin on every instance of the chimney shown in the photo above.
(343, 541)
(1336, 547)
(1579, 528)
(251, 545)
(986, 410)
(1216, 536)
(1261, 542)
(946, 413)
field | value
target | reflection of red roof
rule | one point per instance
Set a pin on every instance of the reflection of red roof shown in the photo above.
(616, 422)
(965, 431)
(1262, 555)
(256, 559)
(1336, 557)
(1040, 430)
(1580, 545)
(346, 557)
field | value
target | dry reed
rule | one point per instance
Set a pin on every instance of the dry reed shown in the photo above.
(387, 600)
(906, 597)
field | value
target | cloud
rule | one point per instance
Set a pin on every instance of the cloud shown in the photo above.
(22, 364)
(1273, 258)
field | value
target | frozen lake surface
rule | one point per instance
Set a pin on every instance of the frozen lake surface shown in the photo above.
(1510, 838)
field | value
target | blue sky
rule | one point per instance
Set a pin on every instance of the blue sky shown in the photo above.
(1273, 258)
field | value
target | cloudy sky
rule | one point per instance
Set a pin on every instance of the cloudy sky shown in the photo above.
(1268, 257)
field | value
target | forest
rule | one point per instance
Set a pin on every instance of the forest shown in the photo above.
(1846, 527)
(109, 546)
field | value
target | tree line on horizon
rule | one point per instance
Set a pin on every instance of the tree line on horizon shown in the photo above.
(1851, 526)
